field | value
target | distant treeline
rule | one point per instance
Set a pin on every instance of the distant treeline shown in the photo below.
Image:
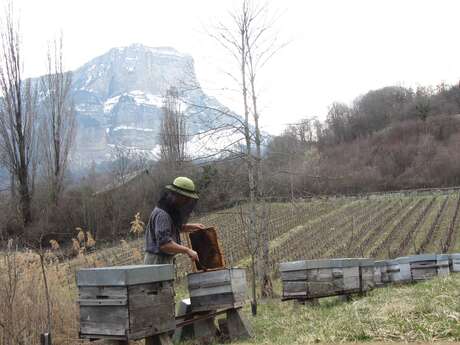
(390, 138)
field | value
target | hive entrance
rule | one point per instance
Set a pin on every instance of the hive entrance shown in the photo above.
(206, 244)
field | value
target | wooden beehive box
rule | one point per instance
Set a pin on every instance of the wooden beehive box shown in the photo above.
(398, 272)
(217, 289)
(366, 274)
(126, 302)
(381, 275)
(426, 266)
(206, 244)
(443, 262)
(322, 278)
(212, 286)
(422, 266)
(454, 262)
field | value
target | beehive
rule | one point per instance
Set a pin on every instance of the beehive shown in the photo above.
(398, 272)
(217, 289)
(366, 274)
(381, 275)
(326, 277)
(213, 286)
(443, 262)
(454, 262)
(426, 266)
(126, 302)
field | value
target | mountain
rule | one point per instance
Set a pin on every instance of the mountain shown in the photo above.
(118, 98)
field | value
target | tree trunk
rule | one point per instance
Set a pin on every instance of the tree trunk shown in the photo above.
(24, 196)
(265, 280)
(250, 164)
(266, 285)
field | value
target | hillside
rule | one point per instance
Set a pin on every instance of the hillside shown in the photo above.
(378, 226)
(387, 139)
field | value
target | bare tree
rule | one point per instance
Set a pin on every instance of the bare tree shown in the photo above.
(261, 44)
(234, 39)
(58, 125)
(173, 135)
(17, 114)
(250, 40)
(242, 39)
(121, 166)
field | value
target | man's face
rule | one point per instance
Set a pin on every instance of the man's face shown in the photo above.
(181, 200)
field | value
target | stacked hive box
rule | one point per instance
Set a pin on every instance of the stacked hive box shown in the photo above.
(381, 274)
(213, 286)
(126, 302)
(328, 277)
(218, 289)
(426, 266)
(366, 274)
(398, 271)
(443, 262)
(454, 262)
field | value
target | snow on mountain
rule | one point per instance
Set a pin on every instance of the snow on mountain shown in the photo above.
(118, 98)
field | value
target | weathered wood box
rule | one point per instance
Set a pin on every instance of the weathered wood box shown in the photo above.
(454, 262)
(217, 289)
(212, 286)
(366, 274)
(398, 272)
(426, 266)
(381, 274)
(326, 277)
(443, 262)
(126, 302)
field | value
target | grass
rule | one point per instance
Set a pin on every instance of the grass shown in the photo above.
(424, 312)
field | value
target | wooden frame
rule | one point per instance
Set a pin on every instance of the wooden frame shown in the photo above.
(206, 244)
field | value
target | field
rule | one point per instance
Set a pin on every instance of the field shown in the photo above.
(378, 226)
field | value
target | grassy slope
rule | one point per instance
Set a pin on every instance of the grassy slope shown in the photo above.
(424, 312)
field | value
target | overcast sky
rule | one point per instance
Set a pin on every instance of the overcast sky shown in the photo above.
(338, 49)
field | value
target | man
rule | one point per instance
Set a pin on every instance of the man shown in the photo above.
(168, 219)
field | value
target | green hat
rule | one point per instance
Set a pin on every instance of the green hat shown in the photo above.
(183, 186)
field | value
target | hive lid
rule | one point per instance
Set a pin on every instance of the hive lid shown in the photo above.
(366, 262)
(416, 258)
(454, 256)
(324, 263)
(215, 272)
(381, 263)
(392, 262)
(124, 275)
(442, 257)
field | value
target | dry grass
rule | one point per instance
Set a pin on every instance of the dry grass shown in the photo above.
(22, 293)
(424, 312)
(23, 302)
